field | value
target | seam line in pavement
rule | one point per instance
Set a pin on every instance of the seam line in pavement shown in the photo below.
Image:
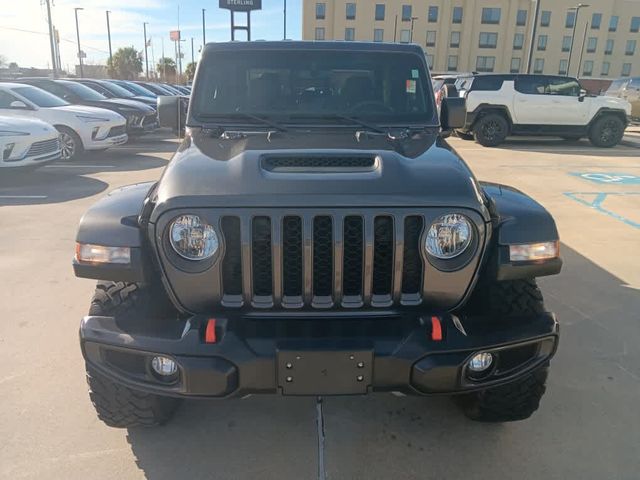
(320, 429)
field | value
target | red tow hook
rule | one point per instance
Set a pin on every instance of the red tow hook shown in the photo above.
(210, 331)
(436, 329)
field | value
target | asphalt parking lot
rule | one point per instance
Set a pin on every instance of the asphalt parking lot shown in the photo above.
(588, 426)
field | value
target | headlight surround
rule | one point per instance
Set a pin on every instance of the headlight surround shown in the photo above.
(192, 238)
(448, 236)
(91, 119)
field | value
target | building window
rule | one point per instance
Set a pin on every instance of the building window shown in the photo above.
(564, 64)
(406, 13)
(545, 18)
(405, 36)
(491, 15)
(452, 63)
(596, 20)
(320, 11)
(378, 35)
(587, 69)
(350, 34)
(515, 65)
(455, 40)
(571, 19)
(592, 44)
(566, 43)
(521, 18)
(488, 40)
(351, 11)
(613, 23)
(630, 48)
(538, 65)
(605, 69)
(319, 33)
(518, 41)
(380, 11)
(430, 61)
(431, 38)
(608, 50)
(542, 42)
(485, 64)
(432, 15)
(457, 15)
(635, 24)
(626, 69)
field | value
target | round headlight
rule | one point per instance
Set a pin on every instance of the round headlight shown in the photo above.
(448, 236)
(193, 238)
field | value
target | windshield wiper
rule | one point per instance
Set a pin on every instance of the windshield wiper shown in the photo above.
(257, 118)
(353, 120)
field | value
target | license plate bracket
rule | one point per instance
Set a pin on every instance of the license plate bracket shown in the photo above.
(326, 372)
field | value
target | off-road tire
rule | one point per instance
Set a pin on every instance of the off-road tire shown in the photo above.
(607, 131)
(491, 130)
(519, 399)
(464, 135)
(116, 405)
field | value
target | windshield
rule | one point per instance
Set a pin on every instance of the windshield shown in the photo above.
(385, 87)
(83, 91)
(136, 89)
(40, 97)
(116, 90)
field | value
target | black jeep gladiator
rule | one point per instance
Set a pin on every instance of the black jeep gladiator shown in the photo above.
(315, 234)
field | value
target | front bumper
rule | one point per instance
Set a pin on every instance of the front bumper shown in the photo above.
(345, 354)
(107, 142)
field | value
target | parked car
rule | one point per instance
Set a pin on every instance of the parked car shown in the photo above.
(141, 118)
(629, 90)
(156, 88)
(27, 142)
(315, 235)
(512, 104)
(182, 89)
(111, 89)
(81, 128)
(135, 89)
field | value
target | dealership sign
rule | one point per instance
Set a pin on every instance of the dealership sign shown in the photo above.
(241, 5)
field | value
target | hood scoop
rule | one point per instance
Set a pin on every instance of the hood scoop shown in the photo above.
(320, 163)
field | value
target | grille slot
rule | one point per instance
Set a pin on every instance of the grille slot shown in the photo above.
(412, 260)
(382, 256)
(44, 147)
(232, 262)
(261, 256)
(292, 256)
(322, 256)
(322, 164)
(353, 256)
(117, 131)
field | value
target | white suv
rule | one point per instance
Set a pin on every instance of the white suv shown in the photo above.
(503, 105)
(27, 143)
(81, 128)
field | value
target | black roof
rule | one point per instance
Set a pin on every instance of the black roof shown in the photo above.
(321, 45)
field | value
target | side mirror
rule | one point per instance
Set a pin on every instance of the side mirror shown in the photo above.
(582, 94)
(169, 112)
(453, 113)
(18, 105)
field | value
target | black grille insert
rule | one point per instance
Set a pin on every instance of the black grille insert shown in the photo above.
(232, 262)
(322, 256)
(261, 256)
(382, 255)
(353, 256)
(412, 260)
(292, 256)
(322, 164)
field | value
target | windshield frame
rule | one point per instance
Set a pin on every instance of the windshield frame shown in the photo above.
(323, 119)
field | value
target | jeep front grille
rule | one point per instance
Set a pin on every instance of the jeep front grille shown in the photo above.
(322, 260)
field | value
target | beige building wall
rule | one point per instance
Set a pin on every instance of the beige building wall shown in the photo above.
(624, 60)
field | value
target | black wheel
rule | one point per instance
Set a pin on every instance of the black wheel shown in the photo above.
(607, 131)
(70, 143)
(464, 135)
(491, 130)
(116, 405)
(519, 399)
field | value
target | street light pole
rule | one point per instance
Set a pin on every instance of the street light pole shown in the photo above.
(109, 36)
(54, 70)
(146, 55)
(285, 20)
(193, 60)
(584, 39)
(573, 32)
(413, 19)
(533, 35)
(78, 37)
(204, 39)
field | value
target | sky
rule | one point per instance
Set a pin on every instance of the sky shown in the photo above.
(24, 30)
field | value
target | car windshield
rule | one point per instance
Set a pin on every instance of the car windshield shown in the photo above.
(616, 86)
(117, 90)
(40, 97)
(83, 91)
(386, 87)
(136, 89)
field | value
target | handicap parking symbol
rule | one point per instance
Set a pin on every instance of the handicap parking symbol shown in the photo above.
(609, 178)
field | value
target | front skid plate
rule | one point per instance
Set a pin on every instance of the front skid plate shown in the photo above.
(312, 372)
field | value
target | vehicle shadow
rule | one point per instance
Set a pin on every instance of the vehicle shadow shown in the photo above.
(592, 397)
(564, 147)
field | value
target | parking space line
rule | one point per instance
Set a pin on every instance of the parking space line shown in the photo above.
(79, 166)
(23, 196)
(598, 200)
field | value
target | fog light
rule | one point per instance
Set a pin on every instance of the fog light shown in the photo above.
(480, 362)
(164, 366)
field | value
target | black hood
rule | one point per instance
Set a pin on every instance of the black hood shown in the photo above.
(121, 104)
(422, 170)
